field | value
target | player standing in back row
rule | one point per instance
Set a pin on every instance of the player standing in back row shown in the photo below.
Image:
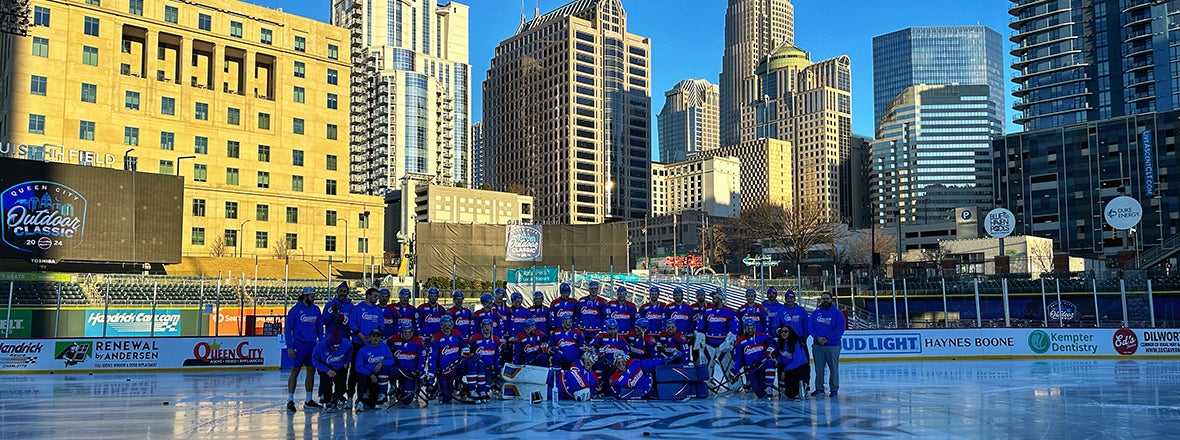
(302, 332)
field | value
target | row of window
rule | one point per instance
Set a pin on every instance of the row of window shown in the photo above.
(168, 107)
(262, 213)
(262, 240)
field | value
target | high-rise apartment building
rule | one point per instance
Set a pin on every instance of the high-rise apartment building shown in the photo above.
(249, 104)
(1083, 61)
(479, 157)
(711, 185)
(937, 55)
(411, 89)
(567, 107)
(688, 121)
(753, 29)
(931, 154)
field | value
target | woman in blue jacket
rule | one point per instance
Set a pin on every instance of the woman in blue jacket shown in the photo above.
(792, 362)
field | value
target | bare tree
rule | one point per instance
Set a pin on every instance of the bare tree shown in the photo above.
(218, 248)
(935, 255)
(713, 245)
(280, 250)
(860, 244)
(796, 230)
(1040, 253)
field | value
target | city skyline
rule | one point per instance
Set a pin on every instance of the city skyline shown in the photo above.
(681, 51)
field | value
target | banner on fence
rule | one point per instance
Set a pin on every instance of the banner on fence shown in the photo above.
(626, 277)
(63, 355)
(19, 325)
(132, 322)
(540, 275)
(1009, 342)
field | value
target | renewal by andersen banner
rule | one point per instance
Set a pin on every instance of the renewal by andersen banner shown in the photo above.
(82, 354)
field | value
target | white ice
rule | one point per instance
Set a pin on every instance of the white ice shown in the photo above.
(1051, 399)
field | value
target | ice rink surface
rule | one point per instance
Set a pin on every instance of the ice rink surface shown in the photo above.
(1050, 399)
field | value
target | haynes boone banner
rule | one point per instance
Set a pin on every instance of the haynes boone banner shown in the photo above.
(116, 354)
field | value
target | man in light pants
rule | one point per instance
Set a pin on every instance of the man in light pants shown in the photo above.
(826, 326)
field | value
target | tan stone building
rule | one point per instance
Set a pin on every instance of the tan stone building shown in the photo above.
(248, 103)
(710, 184)
(767, 171)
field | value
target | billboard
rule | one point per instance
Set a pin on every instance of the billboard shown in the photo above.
(1009, 343)
(85, 354)
(52, 212)
(134, 322)
(522, 243)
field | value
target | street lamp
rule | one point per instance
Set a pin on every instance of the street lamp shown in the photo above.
(241, 236)
(128, 161)
(180, 159)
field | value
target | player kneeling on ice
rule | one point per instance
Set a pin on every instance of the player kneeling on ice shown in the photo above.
(445, 357)
(486, 348)
(751, 352)
(373, 362)
(409, 354)
(791, 358)
(632, 377)
(330, 358)
(575, 383)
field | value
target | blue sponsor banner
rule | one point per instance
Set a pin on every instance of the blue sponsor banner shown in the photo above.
(1148, 164)
(133, 322)
(883, 343)
(540, 275)
(625, 277)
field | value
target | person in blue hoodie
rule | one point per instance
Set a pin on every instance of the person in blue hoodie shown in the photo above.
(331, 357)
(302, 332)
(373, 363)
(365, 317)
(826, 325)
(795, 316)
(791, 360)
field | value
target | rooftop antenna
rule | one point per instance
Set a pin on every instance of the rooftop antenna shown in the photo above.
(537, 10)
(522, 20)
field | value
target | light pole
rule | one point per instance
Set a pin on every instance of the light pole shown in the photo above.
(346, 226)
(180, 159)
(128, 161)
(241, 237)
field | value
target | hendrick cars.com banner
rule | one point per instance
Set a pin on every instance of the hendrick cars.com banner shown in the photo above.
(1010, 342)
(117, 354)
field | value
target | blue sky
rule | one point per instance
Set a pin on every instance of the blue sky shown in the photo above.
(688, 36)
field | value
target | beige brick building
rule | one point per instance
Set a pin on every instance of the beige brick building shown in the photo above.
(710, 184)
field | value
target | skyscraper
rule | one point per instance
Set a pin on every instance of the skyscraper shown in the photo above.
(936, 55)
(1080, 61)
(688, 121)
(478, 156)
(753, 29)
(411, 92)
(567, 108)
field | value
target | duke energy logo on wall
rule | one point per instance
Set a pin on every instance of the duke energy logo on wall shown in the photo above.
(40, 215)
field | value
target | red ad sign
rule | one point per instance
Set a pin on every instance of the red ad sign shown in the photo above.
(1125, 341)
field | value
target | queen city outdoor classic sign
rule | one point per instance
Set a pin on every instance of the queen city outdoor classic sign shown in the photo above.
(41, 215)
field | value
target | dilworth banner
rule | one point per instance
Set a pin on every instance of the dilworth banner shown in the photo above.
(119, 354)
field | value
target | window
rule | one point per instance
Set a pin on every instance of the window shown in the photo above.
(264, 179)
(362, 220)
(297, 126)
(292, 214)
(231, 210)
(131, 136)
(231, 176)
(40, 47)
(233, 149)
(235, 29)
(362, 245)
(200, 172)
(331, 162)
(166, 167)
(198, 236)
(201, 145)
(168, 106)
(233, 116)
(198, 207)
(262, 213)
(167, 140)
(171, 14)
(37, 85)
(204, 22)
(333, 52)
(292, 241)
(299, 95)
(330, 187)
(89, 93)
(331, 131)
(131, 100)
(135, 7)
(264, 121)
(94, 2)
(333, 77)
(202, 111)
(301, 44)
(231, 238)
(332, 98)
(89, 56)
(264, 153)
(267, 35)
(37, 124)
(86, 130)
(40, 16)
(297, 158)
(330, 218)
(297, 183)
(260, 239)
(300, 70)
(330, 243)
(90, 27)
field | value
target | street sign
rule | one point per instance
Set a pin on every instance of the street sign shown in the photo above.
(760, 261)
(1123, 212)
(999, 223)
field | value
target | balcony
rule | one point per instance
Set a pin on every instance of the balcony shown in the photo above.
(1133, 97)
(1140, 81)
(1137, 4)
(1137, 65)
(1019, 36)
(1016, 22)
(1020, 5)
(1135, 35)
(1019, 63)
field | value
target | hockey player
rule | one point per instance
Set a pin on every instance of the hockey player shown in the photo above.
(753, 310)
(530, 346)
(540, 312)
(632, 379)
(796, 317)
(562, 306)
(518, 315)
(679, 312)
(330, 358)
(486, 346)
(503, 311)
(791, 360)
(591, 311)
(445, 349)
(826, 325)
(487, 311)
(302, 332)
(365, 317)
(773, 308)
(622, 311)
(409, 354)
(719, 327)
(609, 345)
(406, 312)
(640, 343)
(575, 382)
(373, 362)
(461, 316)
(672, 345)
(337, 311)
(566, 343)
(752, 350)
(698, 314)
(653, 311)
(388, 312)
(473, 373)
(428, 314)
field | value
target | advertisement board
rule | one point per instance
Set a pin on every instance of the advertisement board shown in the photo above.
(522, 243)
(1009, 343)
(89, 354)
(17, 325)
(132, 322)
(60, 212)
(540, 275)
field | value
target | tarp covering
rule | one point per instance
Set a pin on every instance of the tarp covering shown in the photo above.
(472, 249)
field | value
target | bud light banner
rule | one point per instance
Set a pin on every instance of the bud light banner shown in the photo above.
(137, 322)
(523, 243)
